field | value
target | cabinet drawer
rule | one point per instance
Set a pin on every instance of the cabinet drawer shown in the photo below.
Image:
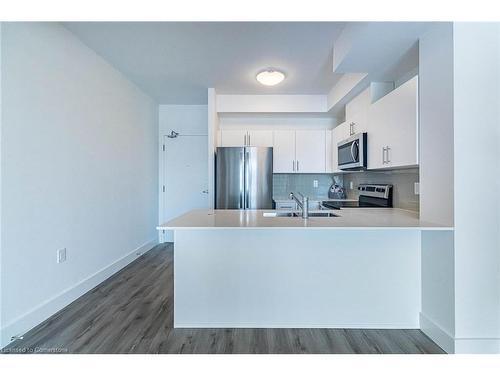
(286, 206)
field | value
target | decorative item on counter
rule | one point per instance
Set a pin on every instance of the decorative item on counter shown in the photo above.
(336, 192)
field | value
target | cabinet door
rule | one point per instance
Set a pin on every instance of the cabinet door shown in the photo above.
(310, 151)
(329, 168)
(394, 124)
(378, 136)
(336, 138)
(260, 138)
(403, 126)
(342, 132)
(284, 151)
(233, 138)
(357, 113)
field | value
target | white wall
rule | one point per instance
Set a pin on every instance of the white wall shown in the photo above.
(186, 120)
(436, 182)
(477, 151)
(436, 124)
(460, 138)
(79, 171)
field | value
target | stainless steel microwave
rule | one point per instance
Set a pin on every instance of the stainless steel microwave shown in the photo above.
(352, 152)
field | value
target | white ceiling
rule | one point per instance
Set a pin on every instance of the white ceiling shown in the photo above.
(175, 62)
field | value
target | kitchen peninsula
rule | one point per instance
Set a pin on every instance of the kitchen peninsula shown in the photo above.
(241, 268)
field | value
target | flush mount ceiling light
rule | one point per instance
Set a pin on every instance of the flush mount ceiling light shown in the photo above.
(270, 77)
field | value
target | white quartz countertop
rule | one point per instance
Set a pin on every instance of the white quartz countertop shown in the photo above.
(349, 218)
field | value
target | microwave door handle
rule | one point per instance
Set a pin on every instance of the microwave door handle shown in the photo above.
(353, 144)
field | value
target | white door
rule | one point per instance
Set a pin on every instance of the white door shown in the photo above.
(310, 151)
(233, 138)
(185, 176)
(284, 151)
(260, 138)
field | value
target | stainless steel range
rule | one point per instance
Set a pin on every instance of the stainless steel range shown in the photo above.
(370, 195)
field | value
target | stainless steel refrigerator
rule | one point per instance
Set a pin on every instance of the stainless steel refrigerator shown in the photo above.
(244, 178)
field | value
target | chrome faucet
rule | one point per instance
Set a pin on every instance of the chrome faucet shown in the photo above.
(304, 204)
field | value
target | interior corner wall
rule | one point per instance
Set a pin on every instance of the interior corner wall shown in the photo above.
(477, 218)
(78, 171)
(436, 182)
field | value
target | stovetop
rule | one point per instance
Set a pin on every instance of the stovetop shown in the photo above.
(337, 205)
(370, 195)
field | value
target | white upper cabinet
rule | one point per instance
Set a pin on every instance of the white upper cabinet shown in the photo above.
(240, 138)
(342, 132)
(356, 113)
(299, 151)
(260, 138)
(329, 151)
(233, 138)
(310, 152)
(393, 135)
(284, 151)
(337, 136)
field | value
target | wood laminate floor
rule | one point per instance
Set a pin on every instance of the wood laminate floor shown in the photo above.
(132, 312)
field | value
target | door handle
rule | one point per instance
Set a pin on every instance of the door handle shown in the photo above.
(353, 145)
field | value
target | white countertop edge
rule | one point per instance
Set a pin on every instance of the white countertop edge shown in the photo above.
(419, 228)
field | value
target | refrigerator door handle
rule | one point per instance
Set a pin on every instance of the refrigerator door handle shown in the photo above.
(242, 180)
(247, 178)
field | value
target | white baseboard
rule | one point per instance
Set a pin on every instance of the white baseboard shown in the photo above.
(439, 335)
(48, 308)
(458, 345)
(294, 325)
(477, 346)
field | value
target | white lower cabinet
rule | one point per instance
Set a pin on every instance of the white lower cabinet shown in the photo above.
(286, 205)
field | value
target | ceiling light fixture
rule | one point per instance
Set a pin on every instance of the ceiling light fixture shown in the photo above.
(270, 77)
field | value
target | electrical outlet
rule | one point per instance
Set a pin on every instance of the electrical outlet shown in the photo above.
(417, 188)
(61, 255)
(315, 183)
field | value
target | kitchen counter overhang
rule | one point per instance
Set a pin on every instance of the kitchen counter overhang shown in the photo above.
(348, 218)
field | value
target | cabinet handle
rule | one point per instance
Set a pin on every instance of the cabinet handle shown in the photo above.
(248, 135)
(293, 165)
(244, 140)
(383, 155)
(388, 160)
(297, 165)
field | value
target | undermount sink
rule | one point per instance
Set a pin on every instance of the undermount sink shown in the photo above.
(298, 214)
(322, 214)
